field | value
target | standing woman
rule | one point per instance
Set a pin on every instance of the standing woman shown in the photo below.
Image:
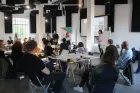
(99, 43)
(16, 37)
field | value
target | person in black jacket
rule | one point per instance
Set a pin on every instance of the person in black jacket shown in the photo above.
(2, 55)
(64, 45)
(16, 55)
(10, 41)
(113, 47)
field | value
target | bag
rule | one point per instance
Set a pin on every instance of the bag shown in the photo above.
(4, 66)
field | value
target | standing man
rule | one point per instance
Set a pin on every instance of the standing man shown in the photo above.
(99, 43)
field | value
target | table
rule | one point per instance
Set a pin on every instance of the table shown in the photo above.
(8, 52)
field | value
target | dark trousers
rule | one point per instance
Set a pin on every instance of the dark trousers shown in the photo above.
(56, 77)
(85, 78)
(138, 69)
(101, 50)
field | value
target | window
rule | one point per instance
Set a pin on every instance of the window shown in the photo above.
(21, 27)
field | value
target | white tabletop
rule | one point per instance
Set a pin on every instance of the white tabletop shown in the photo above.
(8, 52)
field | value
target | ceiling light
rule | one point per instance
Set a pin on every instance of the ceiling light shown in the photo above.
(79, 5)
(6, 17)
(46, 20)
(28, 7)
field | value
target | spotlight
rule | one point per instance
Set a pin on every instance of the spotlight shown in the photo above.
(79, 5)
(6, 17)
(28, 7)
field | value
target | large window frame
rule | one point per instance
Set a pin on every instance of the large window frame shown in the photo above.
(21, 26)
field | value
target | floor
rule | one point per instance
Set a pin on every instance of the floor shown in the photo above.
(22, 86)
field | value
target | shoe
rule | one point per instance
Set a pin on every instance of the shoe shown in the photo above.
(79, 89)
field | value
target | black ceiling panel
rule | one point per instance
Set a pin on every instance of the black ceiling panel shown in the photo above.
(13, 2)
(55, 13)
(51, 7)
(71, 2)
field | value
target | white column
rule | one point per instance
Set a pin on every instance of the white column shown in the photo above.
(40, 26)
(90, 25)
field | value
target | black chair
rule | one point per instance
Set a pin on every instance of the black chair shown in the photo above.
(127, 72)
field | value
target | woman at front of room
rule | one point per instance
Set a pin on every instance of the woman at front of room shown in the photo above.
(16, 37)
(99, 43)
(105, 71)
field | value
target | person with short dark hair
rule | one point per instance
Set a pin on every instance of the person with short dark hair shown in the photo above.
(110, 42)
(104, 71)
(81, 48)
(64, 45)
(10, 41)
(34, 66)
(16, 57)
(55, 35)
(48, 50)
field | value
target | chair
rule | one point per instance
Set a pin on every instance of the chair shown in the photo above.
(34, 85)
(127, 73)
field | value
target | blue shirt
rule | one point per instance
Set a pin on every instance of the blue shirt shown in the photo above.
(127, 55)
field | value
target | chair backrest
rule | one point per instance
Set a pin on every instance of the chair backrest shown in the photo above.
(106, 80)
(128, 63)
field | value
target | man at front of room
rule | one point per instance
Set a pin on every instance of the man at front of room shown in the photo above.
(34, 66)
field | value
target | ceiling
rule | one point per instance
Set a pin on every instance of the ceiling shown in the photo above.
(14, 6)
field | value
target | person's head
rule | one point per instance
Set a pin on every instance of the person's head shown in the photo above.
(16, 35)
(54, 40)
(109, 57)
(30, 38)
(125, 45)
(100, 32)
(25, 39)
(46, 43)
(31, 47)
(1, 44)
(17, 46)
(80, 44)
(110, 41)
(63, 40)
(10, 38)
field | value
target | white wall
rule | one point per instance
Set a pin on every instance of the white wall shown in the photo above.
(60, 23)
(123, 17)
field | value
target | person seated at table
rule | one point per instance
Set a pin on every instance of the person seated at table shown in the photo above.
(126, 56)
(24, 43)
(64, 45)
(54, 41)
(110, 42)
(34, 66)
(81, 48)
(48, 50)
(2, 55)
(16, 55)
(105, 71)
(55, 35)
(29, 39)
(10, 41)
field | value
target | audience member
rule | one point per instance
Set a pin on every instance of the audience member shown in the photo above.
(68, 38)
(64, 45)
(99, 42)
(10, 41)
(81, 48)
(33, 66)
(55, 35)
(54, 41)
(17, 55)
(48, 37)
(16, 37)
(110, 42)
(126, 56)
(2, 55)
(24, 43)
(48, 50)
(29, 39)
(100, 75)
